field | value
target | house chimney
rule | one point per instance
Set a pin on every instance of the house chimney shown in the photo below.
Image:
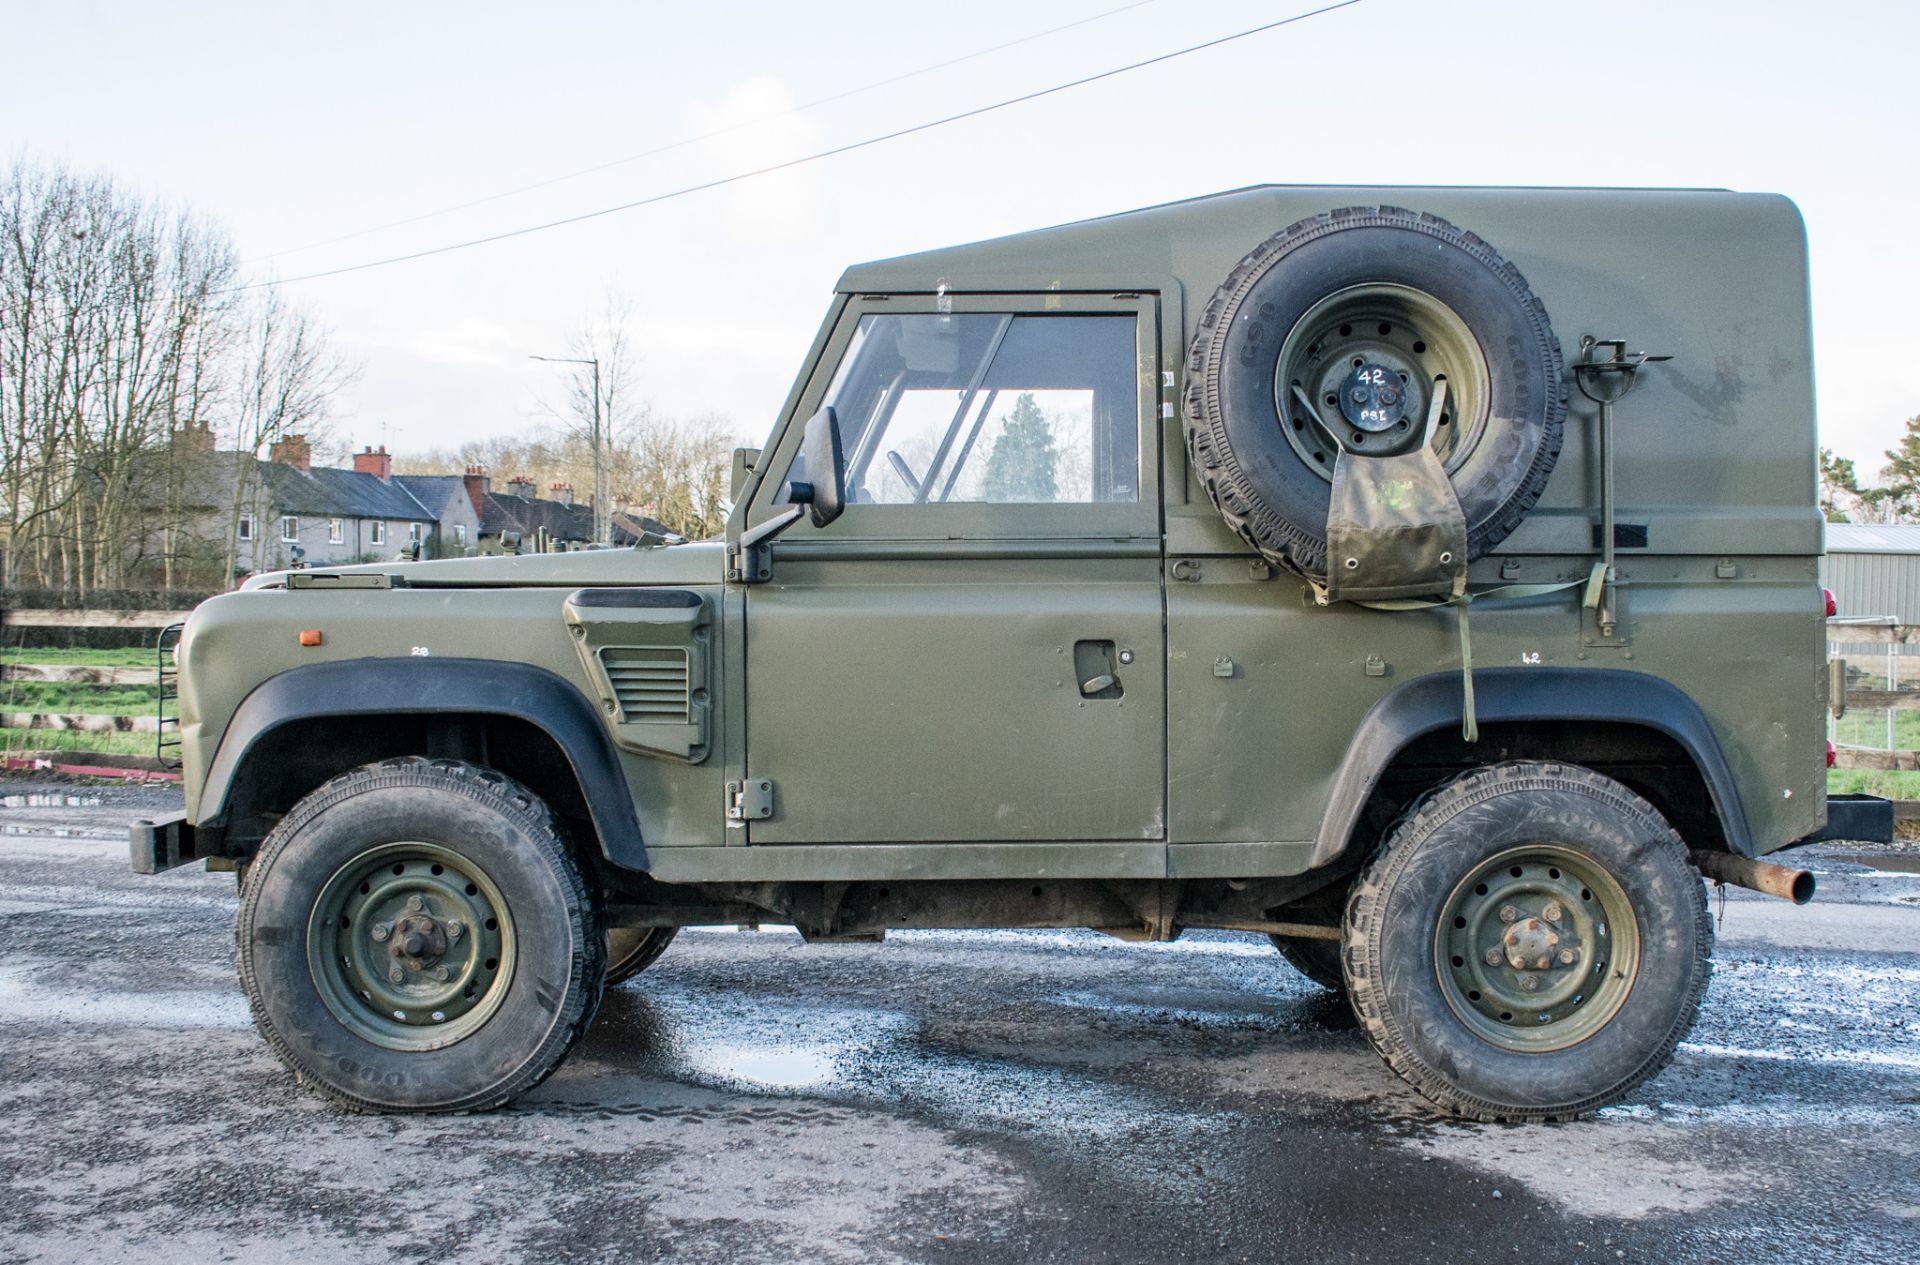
(378, 464)
(521, 485)
(196, 437)
(477, 487)
(563, 493)
(292, 450)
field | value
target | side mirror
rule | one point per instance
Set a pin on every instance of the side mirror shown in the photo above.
(824, 491)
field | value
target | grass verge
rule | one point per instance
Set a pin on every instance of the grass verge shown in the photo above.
(13, 741)
(132, 657)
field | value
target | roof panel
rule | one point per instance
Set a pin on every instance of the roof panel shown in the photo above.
(1873, 538)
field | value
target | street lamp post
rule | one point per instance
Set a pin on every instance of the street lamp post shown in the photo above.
(602, 510)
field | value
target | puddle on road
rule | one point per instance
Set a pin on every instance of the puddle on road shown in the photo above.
(775, 1067)
(875, 1055)
(24, 1000)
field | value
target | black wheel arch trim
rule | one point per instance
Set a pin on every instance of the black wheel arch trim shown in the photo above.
(1606, 695)
(412, 686)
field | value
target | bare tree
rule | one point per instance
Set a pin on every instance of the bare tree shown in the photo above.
(600, 368)
(286, 379)
(671, 469)
(123, 329)
(675, 471)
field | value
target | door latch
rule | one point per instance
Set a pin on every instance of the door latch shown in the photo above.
(1094, 670)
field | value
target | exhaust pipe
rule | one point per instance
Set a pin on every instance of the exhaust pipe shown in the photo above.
(1761, 876)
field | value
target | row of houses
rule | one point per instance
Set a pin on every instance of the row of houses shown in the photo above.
(297, 513)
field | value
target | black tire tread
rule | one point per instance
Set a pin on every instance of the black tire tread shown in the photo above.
(504, 795)
(1403, 841)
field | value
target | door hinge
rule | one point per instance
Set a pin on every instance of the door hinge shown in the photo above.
(750, 800)
(750, 564)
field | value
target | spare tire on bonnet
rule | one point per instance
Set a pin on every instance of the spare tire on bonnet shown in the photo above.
(1287, 362)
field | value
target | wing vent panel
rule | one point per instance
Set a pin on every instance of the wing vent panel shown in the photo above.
(650, 684)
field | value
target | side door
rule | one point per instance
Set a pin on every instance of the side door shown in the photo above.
(975, 650)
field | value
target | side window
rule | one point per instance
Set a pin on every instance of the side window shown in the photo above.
(990, 408)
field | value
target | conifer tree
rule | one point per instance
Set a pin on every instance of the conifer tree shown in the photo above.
(1021, 466)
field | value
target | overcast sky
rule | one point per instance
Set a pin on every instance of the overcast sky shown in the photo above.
(296, 124)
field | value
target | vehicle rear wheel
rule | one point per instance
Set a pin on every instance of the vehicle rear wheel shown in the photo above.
(631, 950)
(1530, 944)
(1318, 960)
(416, 936)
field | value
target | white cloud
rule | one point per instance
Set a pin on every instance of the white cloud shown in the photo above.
(749, 128)
(468, 341)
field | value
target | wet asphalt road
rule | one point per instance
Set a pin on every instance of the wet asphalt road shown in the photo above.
(960, 1097)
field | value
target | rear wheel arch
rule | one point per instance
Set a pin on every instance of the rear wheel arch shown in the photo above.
(305, 726)
(1638, 729)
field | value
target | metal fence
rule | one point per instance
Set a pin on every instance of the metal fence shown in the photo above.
(1874, 720)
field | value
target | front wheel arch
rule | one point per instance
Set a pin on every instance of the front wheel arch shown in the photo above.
(304, 726)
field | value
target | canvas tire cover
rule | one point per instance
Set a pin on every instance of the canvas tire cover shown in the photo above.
(1256, 478)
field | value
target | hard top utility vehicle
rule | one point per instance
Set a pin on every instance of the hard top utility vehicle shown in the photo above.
(1424, 578)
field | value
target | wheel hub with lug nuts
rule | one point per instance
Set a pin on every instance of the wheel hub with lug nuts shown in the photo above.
(411, 946)
(1537, 948)
(1360, 368)
(1373, 398)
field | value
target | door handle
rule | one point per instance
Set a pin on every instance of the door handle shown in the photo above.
(1093, 686)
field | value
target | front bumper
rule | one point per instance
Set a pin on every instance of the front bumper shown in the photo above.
(162, 843)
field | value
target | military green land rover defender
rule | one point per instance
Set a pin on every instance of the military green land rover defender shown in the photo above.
(1423, 578)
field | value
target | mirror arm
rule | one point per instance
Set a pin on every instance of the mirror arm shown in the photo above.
(751, 559)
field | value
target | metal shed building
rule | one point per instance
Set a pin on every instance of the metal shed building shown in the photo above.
(1874, 570)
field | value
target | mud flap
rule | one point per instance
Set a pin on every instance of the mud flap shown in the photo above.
(1394, 529)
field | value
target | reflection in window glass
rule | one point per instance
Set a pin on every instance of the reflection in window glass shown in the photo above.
(982, 407)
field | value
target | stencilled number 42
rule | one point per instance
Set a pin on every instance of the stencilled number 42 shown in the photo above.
(1530, 657)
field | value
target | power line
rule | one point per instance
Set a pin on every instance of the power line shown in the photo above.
(835, 151)
(717, 132)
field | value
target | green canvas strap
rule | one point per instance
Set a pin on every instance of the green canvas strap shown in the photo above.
(1593, 584)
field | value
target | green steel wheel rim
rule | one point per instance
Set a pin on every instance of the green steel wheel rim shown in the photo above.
(1537, 949)
(1405, 331)
(411, 946)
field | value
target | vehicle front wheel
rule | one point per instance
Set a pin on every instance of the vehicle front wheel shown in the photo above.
(416, 936)
(1530, 944)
